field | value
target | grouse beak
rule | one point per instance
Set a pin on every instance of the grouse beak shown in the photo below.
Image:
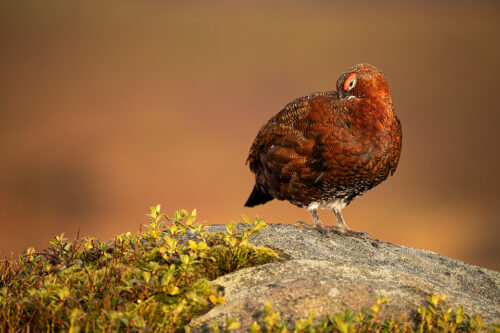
(346, 97)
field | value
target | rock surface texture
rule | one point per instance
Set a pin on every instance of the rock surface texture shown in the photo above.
(330, 272)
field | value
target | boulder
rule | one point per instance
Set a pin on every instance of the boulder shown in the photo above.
(329, 272)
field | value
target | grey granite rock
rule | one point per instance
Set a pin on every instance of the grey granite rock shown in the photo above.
(329, 272)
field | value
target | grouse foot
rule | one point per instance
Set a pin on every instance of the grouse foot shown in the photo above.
(319, 226)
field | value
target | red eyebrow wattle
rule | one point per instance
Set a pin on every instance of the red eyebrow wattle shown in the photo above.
(349, 80)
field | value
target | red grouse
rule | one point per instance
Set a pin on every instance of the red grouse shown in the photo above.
(325, 149)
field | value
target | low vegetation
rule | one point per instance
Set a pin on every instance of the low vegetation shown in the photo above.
(434, 316)
(151, 281)
(159, 280)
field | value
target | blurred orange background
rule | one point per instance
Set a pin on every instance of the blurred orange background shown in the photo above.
(108, 108)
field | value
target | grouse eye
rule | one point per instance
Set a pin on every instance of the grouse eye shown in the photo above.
(350, 82)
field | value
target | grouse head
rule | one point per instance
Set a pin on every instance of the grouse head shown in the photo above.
(363, 81)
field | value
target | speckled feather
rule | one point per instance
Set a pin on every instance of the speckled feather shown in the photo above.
(325, 146)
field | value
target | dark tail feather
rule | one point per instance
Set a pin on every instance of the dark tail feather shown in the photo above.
(258, 197)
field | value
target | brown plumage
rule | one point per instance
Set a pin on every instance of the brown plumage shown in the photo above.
(325, 149)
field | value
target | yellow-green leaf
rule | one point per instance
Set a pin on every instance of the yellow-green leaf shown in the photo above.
(174, 290)
(217, 300)
(233, 325)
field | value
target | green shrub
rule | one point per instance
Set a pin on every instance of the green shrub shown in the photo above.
(152, 281)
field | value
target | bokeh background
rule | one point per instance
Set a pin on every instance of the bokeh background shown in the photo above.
(110, 107)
